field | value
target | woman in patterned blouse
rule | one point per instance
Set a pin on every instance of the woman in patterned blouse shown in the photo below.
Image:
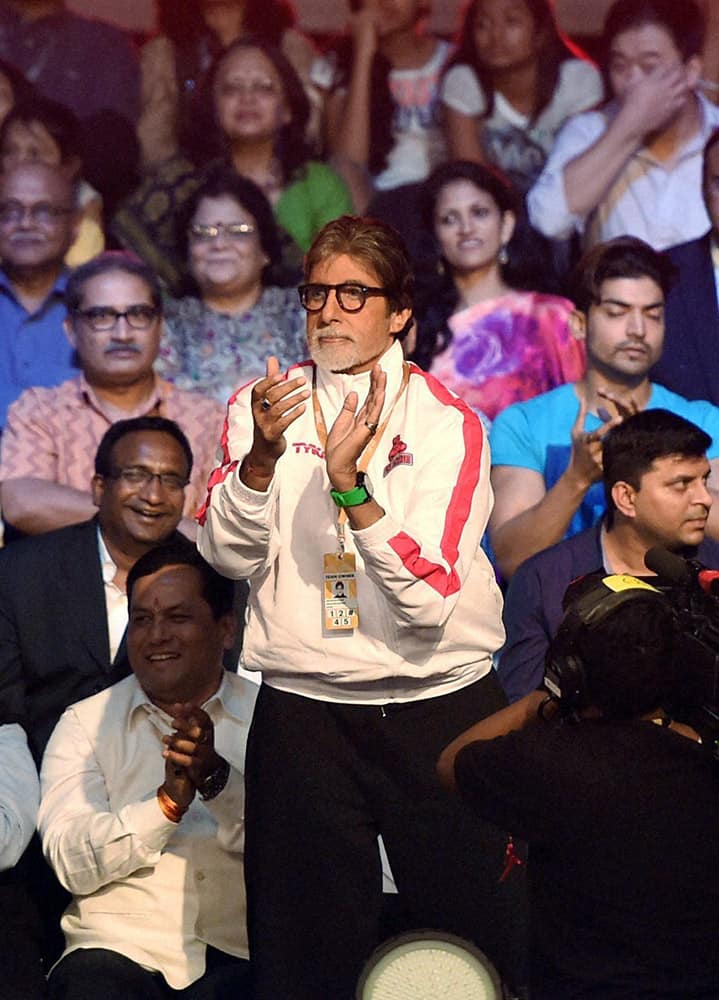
(220, 335)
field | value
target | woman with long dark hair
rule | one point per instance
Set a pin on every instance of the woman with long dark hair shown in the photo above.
(175, 63)
(485, 337)
(512, 83)
(260, 113)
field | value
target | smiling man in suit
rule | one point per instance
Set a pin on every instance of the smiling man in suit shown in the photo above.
(62, 594)
(63, 610)
(689, 364)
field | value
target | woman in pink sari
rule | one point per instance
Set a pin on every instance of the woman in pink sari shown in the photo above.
(482, 335)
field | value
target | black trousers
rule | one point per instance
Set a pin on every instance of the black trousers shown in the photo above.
(21, 970)
(100, 974)
(323, 780)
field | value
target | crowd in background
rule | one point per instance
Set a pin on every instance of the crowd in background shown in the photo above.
(187, 177)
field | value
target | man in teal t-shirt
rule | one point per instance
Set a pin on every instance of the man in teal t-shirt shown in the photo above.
(546, 452)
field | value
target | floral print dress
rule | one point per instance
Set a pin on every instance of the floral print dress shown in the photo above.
(509, 349)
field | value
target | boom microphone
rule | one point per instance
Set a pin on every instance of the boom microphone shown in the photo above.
(668, 566)
(679, 572)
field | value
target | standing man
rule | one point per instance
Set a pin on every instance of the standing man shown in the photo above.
(38, 224)
(364, 469)
(634, 166)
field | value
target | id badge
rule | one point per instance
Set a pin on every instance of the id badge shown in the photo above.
(340, 592)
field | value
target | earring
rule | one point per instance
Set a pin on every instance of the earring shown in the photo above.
(503, 256)
(440, 268)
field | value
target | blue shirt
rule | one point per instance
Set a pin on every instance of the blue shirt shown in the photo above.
(537, 434)
(33, 347)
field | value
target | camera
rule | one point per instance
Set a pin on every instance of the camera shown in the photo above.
(683, 590)
(693, 592)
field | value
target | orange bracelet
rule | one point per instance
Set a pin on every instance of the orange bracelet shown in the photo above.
(169, 807)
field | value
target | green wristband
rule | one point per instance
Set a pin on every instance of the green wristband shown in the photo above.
(351, 498)
(359, 493)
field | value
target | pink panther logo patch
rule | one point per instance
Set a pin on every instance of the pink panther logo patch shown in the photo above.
(398, 455)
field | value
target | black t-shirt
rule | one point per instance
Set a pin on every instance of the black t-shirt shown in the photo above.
(622, 822)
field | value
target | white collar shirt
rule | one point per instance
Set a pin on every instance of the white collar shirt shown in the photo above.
(19, 794)
(115, 597)
(155, 891)
(658, 202)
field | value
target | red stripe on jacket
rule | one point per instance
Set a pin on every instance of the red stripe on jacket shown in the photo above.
(407, 548)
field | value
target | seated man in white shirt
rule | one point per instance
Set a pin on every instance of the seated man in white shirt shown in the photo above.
(142, 801)
(634, 166)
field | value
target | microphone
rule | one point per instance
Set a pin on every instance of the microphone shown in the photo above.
(678, 571)
(668, 565)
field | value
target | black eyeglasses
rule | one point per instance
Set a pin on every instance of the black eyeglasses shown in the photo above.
(233, 230)
(99, 318)
(138, 476)
(350, 295)
(42, 214)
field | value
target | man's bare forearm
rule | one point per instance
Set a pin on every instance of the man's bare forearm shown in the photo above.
(35, 505)
(515, 716)
(537, 527)
(588, 177)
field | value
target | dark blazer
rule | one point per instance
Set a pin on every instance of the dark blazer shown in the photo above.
(690, 361)
(54, 639)
(533, 604)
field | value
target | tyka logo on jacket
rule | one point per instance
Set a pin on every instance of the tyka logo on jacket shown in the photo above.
(398, 455)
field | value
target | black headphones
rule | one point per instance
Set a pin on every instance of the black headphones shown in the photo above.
(565, 676)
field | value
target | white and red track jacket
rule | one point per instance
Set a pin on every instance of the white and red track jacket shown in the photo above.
(429, 605)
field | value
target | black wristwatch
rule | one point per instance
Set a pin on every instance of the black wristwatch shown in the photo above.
(215, 781)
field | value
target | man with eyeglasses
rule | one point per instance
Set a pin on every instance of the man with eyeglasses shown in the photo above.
(114, 323)
(63, 610)
(362, 469)
(38, 224)
(62, 605)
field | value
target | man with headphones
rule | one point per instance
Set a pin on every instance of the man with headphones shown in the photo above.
(619, 804)
(655, 473)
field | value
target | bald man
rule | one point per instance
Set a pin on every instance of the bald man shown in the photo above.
(38, 222)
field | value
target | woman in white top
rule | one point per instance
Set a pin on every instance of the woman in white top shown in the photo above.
(511, 85)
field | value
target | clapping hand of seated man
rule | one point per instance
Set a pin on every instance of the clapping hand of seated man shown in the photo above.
(191, 761)
(585, 464)
(276, 403)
